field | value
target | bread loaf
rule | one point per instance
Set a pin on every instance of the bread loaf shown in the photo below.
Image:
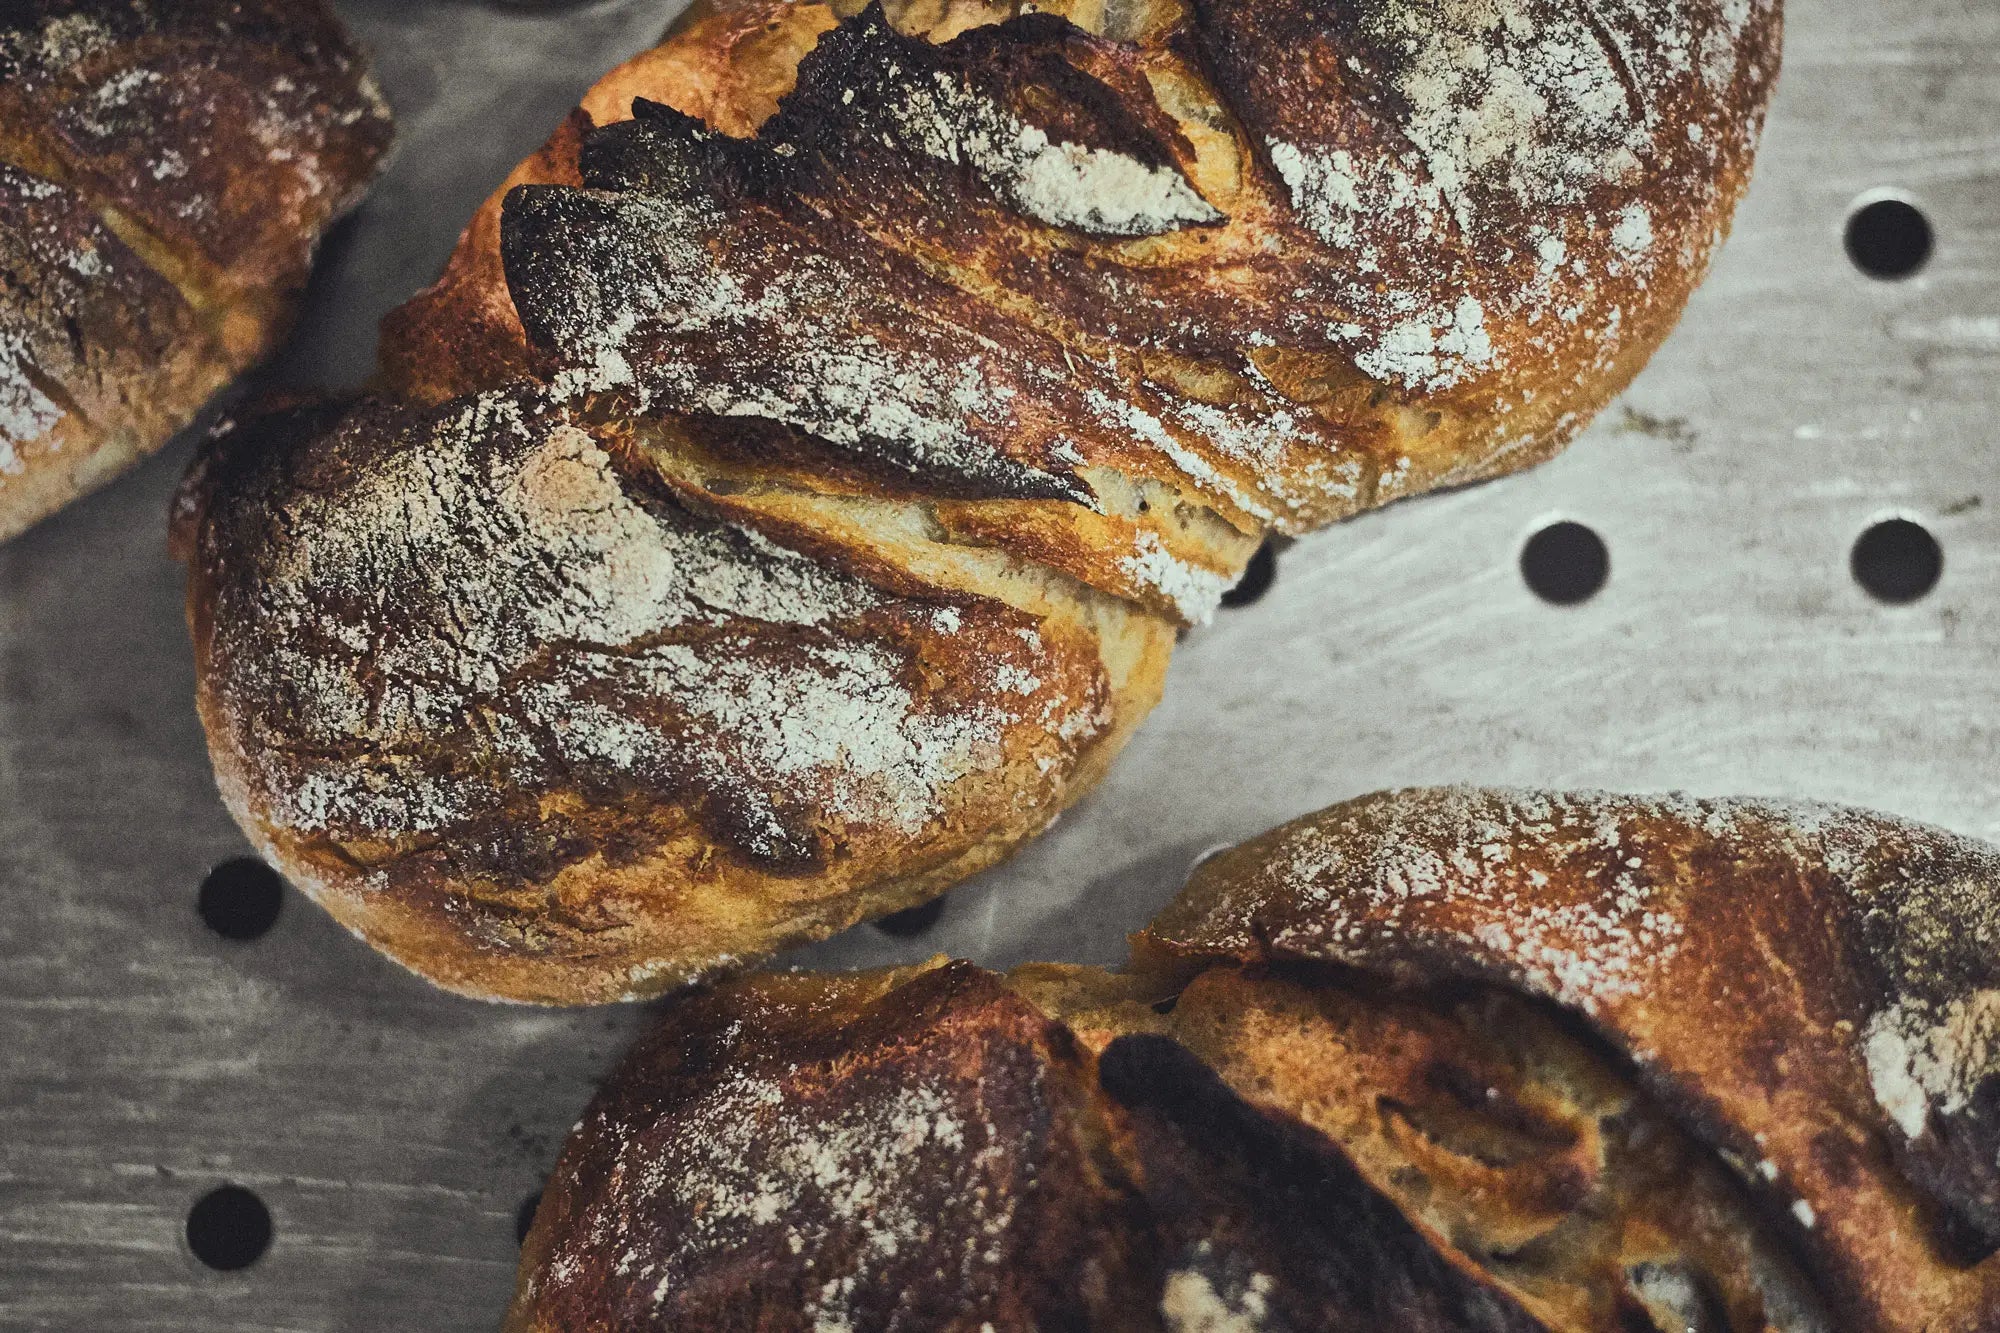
(1433, 1059)
(166, 168)
(786, 501)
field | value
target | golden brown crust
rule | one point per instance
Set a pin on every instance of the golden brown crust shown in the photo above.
(100, 357)
(1287, 374)
(165, 171)
(1049, 317)
(1810, 988)
(727, 66)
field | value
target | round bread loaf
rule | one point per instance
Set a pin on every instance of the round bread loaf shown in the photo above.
(166, 168)
(786, 501)
(1429, 1060)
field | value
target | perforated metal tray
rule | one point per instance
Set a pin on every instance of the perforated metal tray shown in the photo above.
(393, 1132)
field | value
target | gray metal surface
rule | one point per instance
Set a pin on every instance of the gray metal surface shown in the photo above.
(393, 1131)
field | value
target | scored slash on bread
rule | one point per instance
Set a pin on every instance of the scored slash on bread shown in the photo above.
(1030, 324)
(1436, 1059)
(166, 169)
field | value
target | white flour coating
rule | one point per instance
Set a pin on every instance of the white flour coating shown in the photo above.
(1516, 97)
(1515, 108)
(1452, 844)
(849, 1187)
(1435, 349)
(129, 107)
(35, 345)
(1633, 235)
(1922, 897)
(793, 330)
(1189, 1303)
(842, 711)
(1326, 192)
(1193, 590)
(135, 102)
(530, 554)
(1671, 1294)
(792, 344)
(57, 44)
(1530, 125)
(1924, 1058)
(1062, 184)
(107, 109)
(1126, 415)
(1293, 461)
(26, 413)
(1410, 338)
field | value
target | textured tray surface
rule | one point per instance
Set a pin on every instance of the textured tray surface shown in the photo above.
(393, 1131)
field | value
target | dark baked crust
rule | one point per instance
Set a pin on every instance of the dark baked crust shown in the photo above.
(165, 170)
(1261, 1223)
(1809, 988)
(925, 1150)
(99, 354)
(1056, 313)
(869, 1153)
(1437, 1059)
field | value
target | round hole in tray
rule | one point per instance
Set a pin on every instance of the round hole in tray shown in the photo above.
(1565, 563)
(912, 921)
(241, 898)
(1897, 561)
(229, 1228)
(524, 1216)
(1888, 238)
(1258, 576)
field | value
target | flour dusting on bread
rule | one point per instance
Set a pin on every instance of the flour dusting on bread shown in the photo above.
(1770, 969)
(1031, 327)
(190, 153)
(750, 1162)
(1531, 125)
(1063, 184)
(1922, 1056)
(26, 413)
(1189, 1303)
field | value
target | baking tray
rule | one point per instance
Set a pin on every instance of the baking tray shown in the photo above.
(393, 1133)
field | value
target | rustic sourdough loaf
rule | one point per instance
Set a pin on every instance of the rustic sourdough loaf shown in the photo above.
(1430, 1060)
(166, 168)
(786, 501)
